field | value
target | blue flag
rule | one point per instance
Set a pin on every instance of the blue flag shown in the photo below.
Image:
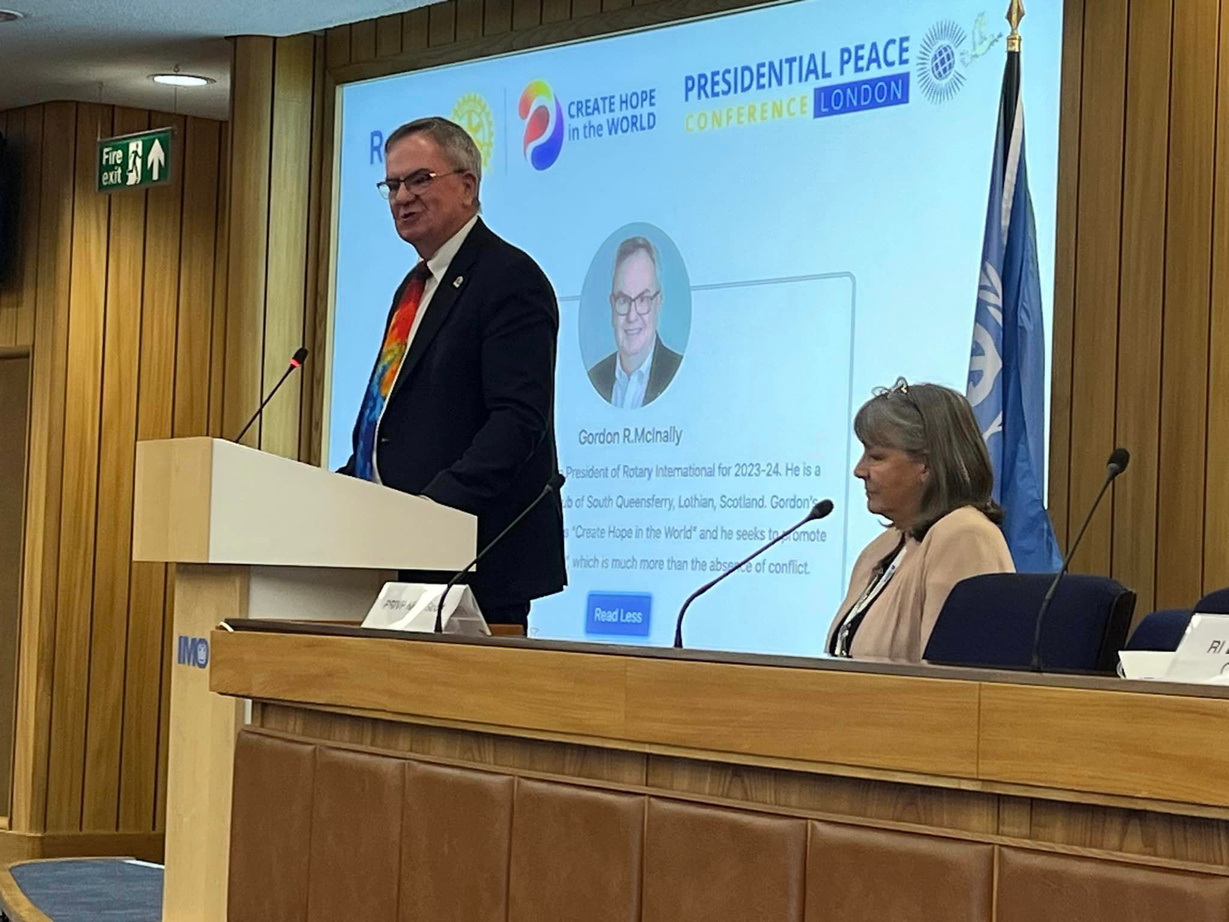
(1007, 364)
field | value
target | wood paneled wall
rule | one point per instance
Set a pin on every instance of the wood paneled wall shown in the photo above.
(14, 406)
(1141, 306)
(119, 302)
(277, 202)
(1142, 301)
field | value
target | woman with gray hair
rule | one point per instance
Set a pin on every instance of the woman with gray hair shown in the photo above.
(927, 471)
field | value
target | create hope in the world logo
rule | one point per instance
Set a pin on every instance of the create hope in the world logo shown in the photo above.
(542, 114)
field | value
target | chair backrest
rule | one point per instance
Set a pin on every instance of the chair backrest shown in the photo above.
(1163, 630)
(990, 620)
(1160, 630)
(1214, 603)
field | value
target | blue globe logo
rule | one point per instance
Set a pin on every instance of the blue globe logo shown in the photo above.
(943, 62)
(939, 73)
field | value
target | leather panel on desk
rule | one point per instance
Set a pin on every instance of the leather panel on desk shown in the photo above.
(869, 875)
(455, 839)
(1038, 887)
(356, 836)
(722, 865)
(577, 854)
(270, 831)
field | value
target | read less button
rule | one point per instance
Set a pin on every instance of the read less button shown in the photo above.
(620, 613)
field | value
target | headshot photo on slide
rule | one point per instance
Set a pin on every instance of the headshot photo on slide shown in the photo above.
(635, 316)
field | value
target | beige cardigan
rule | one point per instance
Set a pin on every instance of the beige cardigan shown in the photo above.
(963, 543)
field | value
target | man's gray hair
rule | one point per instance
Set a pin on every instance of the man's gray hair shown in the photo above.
(636, 245)
(458, 147)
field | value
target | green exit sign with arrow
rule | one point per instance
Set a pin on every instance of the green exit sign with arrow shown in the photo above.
(134, 160)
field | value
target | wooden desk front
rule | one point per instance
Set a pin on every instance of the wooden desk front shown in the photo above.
(1011, 748)
(957, 794)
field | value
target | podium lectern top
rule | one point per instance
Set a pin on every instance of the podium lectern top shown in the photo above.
(202, 500)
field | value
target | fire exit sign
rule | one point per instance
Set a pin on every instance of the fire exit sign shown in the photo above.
(134, 160)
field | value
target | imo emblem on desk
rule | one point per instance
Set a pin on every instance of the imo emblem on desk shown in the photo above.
(193, 651)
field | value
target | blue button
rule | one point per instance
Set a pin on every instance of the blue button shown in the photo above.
(621, 613)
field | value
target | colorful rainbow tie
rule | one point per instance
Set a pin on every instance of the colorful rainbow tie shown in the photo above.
(385, 375)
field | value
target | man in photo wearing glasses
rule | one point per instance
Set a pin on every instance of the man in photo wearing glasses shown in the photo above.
(460, 404)
(642, 366)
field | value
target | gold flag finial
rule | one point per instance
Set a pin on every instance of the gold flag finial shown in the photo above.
(1015, 13)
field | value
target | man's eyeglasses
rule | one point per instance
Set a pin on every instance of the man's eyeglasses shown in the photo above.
(416, 183)
(643, 302)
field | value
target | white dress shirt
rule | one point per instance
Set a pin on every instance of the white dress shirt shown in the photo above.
(629, 389)
(437, 267)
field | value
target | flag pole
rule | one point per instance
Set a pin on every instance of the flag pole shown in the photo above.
(1015, 13)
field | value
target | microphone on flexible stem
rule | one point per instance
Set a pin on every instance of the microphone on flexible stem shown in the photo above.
(818, 511)
(296, 361)
(1118, 461)
(552, 486)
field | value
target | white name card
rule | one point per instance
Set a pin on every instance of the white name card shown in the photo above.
(1202, 655)
(412, 607)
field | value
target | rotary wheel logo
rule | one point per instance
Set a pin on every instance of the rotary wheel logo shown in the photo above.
(474, 115)
(938, 67)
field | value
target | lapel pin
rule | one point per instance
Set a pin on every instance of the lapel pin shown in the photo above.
(456, 283)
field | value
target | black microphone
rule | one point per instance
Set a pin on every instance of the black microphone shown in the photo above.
(818, 511)
(1119, 459)
(296, 361)
(552, 486)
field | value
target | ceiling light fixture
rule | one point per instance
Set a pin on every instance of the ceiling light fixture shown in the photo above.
(11, 16)
(181, 79)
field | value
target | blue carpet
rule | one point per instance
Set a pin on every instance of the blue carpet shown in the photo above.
(93, 889)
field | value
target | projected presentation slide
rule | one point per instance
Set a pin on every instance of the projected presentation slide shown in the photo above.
(783, 209)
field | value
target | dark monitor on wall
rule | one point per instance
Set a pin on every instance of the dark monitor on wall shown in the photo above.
(8, 209)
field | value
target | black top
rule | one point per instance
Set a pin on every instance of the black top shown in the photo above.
(470, 420)
(665, 364)
(842, 640)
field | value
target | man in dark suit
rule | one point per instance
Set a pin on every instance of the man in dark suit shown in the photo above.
(460, 405)
(641, 366)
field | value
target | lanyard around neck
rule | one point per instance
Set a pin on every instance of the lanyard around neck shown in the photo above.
(853, 618)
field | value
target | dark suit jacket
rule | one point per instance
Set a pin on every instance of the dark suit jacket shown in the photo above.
(665, 364)
(470, 420)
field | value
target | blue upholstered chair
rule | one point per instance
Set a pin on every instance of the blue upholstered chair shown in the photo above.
(1160, 630)
(1163, 630)
(1214, 603)
(989, 621)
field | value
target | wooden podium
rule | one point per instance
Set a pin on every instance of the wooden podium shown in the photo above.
(252, 534)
